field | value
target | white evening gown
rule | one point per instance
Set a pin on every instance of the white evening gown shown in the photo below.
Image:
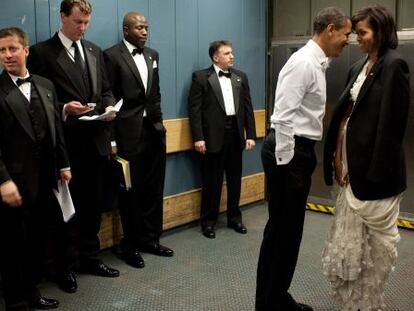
(361, 248)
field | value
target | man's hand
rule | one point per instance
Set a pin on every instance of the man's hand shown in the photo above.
(111, 116)
(250, 144)
(74, 108)
(65, 175)
(10, 194)
(200, 146)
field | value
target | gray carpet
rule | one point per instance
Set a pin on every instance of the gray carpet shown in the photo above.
(220, 274)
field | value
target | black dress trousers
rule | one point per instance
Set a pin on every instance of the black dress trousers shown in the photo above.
(288, 189)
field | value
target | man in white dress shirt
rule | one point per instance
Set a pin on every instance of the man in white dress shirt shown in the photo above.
(288, 156)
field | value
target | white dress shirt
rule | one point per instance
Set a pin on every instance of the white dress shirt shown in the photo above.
(227, 91)
(25, 88)
(67, 43)
(299, 100)
(141, 64)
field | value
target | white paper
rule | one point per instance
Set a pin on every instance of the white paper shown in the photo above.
(103, 116)
(65, 200)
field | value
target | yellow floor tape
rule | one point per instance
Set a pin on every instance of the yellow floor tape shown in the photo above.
(321, 208)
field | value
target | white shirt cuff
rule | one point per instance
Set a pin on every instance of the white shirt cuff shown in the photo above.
(285, 144)
(64, 115)
(284, 157)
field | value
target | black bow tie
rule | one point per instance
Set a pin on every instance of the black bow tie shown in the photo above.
(21, 81)
(226, 74)
(138, 50)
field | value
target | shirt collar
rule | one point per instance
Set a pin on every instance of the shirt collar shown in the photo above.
(217, 69)
(67, 43)
(14, 78)
(129, 46)
(318, 53)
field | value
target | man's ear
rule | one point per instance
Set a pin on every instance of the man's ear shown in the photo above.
(330, 29)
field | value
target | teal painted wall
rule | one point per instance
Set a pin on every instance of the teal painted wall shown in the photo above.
(180, 30)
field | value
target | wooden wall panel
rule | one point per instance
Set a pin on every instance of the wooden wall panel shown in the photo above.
(182, 208)
(179, 132)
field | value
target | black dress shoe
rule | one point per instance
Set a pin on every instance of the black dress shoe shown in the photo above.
(208, 232)
(43, 303)
(157, 249)
(238, 227)
(99, 269)
(67, 282)
(134, 259)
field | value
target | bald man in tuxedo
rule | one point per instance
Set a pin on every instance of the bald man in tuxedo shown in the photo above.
(140, 138)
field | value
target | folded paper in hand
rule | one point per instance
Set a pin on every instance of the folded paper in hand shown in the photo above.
(65, 200)
(106, 114)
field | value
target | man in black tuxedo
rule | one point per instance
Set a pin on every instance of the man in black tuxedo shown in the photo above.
(140, 138)
(32, 158)
(222, 124)
(77, 69)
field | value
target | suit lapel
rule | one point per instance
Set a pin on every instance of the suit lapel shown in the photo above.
(91, 63)
(71, 72)
(131, 64)
(236, 86)
(16, 101)
(150, 62)
(215, 85)
(48, 105)
(345, 97)
(369, 80)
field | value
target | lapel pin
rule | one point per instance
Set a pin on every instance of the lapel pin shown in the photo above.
(238, 80)
(150, 58)
(48, 94)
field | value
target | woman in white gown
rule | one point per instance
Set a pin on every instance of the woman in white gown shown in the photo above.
(364, 153)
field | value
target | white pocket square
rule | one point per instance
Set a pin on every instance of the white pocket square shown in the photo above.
(154, 64)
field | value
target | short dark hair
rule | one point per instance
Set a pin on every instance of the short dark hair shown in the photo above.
(216, 45)
(382, 24)
(326, 16)
(66, 6)
(15, 31)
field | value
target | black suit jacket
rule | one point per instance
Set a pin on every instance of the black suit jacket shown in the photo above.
(127, 84)
(50, 59)
(207, 111)
(375, 129)
(19, 160)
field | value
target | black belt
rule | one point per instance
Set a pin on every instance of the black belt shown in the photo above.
(304, 141)
(300, 140)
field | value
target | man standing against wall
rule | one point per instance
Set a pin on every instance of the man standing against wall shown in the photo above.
(221, 112)
(77, 69)
(32, 156)
(288, 156)
(140, 137)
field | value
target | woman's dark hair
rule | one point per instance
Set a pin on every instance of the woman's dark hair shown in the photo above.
(383, 25)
